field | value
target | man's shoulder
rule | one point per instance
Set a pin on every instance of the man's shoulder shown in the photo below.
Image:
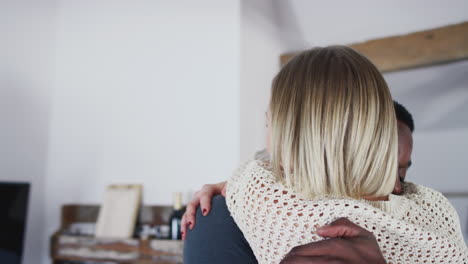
(216, 238)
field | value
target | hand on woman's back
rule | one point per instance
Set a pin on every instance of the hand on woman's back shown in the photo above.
(348, 243)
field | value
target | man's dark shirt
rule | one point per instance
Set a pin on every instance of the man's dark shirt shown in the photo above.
(216, 238)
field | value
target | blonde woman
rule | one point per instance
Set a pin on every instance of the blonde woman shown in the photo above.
(333, 150)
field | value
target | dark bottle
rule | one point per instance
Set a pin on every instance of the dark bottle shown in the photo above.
(176, 217)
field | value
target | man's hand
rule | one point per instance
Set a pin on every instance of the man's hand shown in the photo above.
(347, 243)
(201, 198)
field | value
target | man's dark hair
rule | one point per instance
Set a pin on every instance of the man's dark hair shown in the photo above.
(403, 115)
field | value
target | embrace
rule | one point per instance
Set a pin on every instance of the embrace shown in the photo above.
(333, 160)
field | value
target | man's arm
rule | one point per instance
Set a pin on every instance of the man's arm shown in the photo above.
(216, 238)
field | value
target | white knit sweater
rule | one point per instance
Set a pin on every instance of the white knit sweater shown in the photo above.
(418, 227)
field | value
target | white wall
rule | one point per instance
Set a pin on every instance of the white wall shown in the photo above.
(26, 44)
(260, 46)
(101, 92)
(144, 92)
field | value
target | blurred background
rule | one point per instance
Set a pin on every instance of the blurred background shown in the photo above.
(172, 94)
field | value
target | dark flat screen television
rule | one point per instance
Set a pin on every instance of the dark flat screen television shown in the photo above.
(14, 198)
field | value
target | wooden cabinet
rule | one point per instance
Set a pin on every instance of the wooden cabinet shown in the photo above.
(66, 248)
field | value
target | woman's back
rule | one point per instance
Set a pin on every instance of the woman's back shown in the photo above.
(419, 227)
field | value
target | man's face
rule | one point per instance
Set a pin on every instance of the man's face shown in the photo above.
(405, 148)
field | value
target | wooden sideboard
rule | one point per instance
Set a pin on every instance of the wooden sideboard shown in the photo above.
(67, 248)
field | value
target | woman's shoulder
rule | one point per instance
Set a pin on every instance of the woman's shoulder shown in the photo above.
(427, 198)
(434, 205)
(251, 169)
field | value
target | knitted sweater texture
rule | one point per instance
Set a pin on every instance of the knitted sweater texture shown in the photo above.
(419, 226)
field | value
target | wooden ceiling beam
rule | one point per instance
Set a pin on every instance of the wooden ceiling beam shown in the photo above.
(434, 46)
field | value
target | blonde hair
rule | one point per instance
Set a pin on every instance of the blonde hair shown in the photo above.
(333, 125)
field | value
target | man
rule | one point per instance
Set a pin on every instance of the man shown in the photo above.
(405, 125)
(218, 229)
